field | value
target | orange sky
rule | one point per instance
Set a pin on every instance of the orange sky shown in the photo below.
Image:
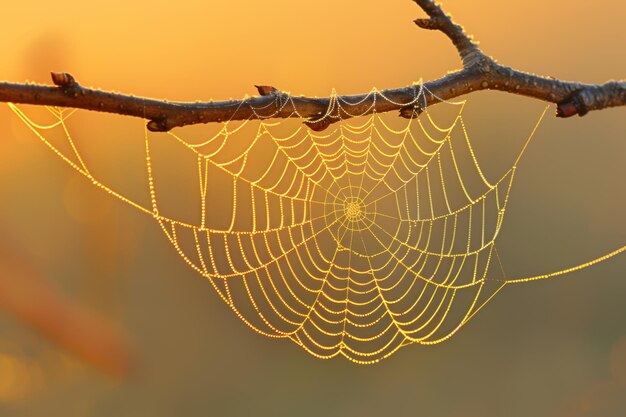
(199, 49)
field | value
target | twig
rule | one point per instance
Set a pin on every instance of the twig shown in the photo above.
(480, 72)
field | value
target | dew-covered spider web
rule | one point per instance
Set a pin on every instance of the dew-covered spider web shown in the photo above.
(372, 235)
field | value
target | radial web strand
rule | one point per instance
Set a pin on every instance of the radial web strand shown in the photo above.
(375, 234)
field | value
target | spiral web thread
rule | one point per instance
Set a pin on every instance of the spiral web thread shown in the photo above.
(373, 235)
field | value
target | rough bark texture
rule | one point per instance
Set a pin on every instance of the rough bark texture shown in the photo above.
(480, 72)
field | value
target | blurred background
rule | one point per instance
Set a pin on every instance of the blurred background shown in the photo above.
(99, 316)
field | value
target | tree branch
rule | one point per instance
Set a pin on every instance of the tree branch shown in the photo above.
(480, 72)
(468, 50)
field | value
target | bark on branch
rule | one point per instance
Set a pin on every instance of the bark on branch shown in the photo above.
(480, 72)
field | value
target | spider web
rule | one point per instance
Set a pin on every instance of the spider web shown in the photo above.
(373, 235)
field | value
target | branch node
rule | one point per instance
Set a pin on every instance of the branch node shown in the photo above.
(63, 79)
(267, 90)
(159, 125)
(319, 125)
(410, 112)
(571, 106)
(67, 83)
(433, 23)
